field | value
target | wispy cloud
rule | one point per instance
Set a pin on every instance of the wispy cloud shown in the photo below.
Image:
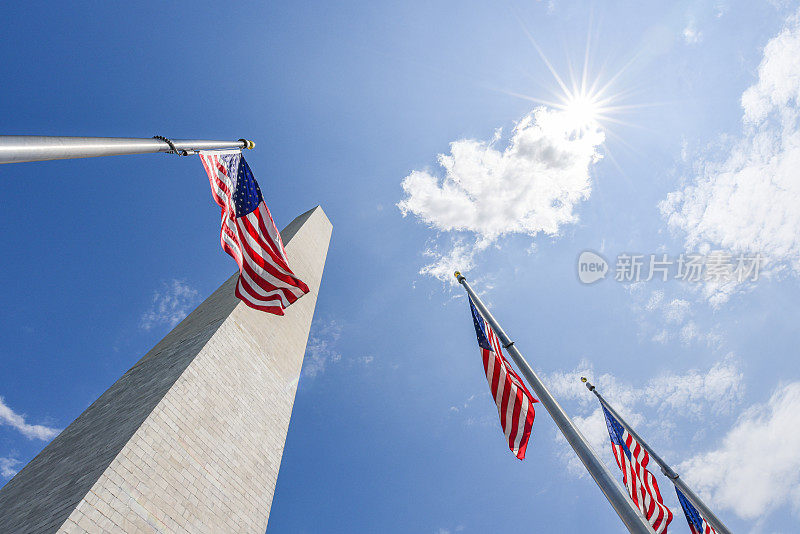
(675, 311)
(474, 410)
(691, 35)
(321, 349)
(663, 319)
(459, 528)
(464, 405)
(171, 303)
(744, 198)
(8, 467)
(15, 420)
(531, 186)
(756, 467)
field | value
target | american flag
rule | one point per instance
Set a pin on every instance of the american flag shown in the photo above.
(249, 235)
(632, 459)
(514, 402)
(696, 522)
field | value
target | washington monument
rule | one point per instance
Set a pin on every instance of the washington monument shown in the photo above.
(190, 439)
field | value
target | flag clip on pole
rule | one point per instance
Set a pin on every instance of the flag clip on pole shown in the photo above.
(630, 515)
(668, 472)
(23, 148)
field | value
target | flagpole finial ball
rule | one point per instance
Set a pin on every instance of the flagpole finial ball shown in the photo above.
(248, 144)
(583, 379)
(457, 274)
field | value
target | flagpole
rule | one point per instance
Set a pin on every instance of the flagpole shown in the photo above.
(23, 148)
(627, 512)
(704, 510)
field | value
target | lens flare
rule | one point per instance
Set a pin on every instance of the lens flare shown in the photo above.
(585, 98)
(581, 111)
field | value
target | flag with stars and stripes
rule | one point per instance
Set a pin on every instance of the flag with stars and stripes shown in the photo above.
(632, 459)
(248, 234)
(514, 402)
(696, 522)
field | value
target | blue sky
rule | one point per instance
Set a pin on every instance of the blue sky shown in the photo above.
(350, 105)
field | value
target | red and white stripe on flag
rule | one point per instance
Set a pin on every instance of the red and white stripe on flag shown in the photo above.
(249, 235)
(514, 402)
(632, 459)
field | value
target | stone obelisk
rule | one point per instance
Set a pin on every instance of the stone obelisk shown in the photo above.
(190, 438)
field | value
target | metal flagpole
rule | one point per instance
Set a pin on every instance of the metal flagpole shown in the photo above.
(704, 510)
(626, 510)
(22, 148)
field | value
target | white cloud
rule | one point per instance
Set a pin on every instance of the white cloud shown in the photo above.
(662, 336)
(691, 35)
(745, 200)
(719, 389)
(11, 418)
(662, 319)
(756, 468)
(532, 185)
(721, 8)
(689, 332)
(465, 405)
(170, 305)
(321, 348)
(460, 256)
(675, 312)
(366, 360)
(8, 467)
(655, 299)
(668, 397)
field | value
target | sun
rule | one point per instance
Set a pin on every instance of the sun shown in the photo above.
(586, 99)
(582, 111)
